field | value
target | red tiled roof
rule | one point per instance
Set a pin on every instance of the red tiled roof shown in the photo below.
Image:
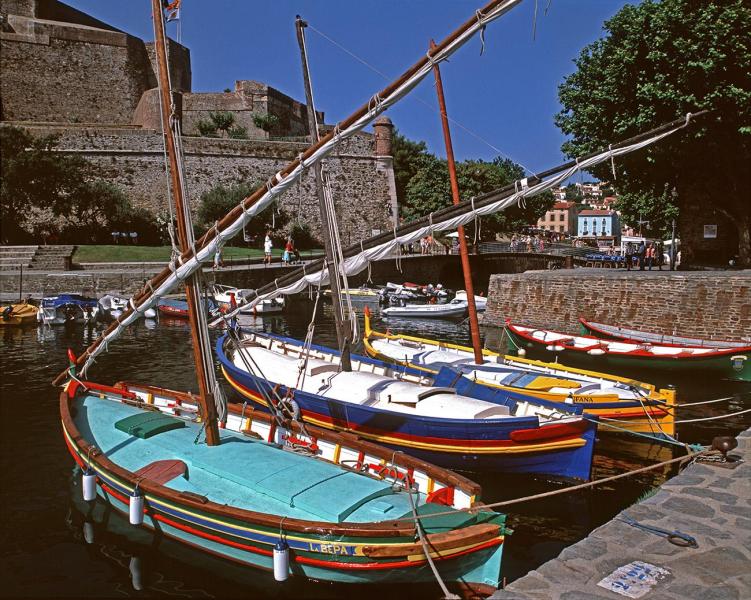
(596, 213)
(562, 205)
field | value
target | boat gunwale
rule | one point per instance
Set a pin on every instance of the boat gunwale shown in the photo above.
(721, 344)
(387, 528)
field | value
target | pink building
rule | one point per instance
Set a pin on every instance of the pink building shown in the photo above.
(561, 218)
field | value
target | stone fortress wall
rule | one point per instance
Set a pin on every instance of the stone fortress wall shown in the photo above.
(66, 73)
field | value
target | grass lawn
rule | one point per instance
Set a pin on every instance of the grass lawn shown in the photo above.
(116, 253)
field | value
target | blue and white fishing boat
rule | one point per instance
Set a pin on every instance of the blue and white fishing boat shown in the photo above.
(65, 309)
(445, 419)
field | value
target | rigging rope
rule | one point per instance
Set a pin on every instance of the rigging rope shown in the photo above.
(461, 126)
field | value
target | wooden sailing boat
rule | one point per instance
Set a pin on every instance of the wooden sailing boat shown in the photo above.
(631, 405)
(626, 334)
(18, 314)
(339, 509)
(725, 363)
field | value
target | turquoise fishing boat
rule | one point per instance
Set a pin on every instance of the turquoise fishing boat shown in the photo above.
(336, 508)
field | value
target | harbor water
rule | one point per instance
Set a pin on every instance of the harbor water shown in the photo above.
(54, 545)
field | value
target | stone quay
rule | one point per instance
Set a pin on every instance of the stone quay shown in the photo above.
(710, 503)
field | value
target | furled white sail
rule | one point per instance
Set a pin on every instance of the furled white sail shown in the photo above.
(359, 262)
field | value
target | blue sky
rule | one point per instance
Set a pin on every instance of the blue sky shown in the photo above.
(507, 96)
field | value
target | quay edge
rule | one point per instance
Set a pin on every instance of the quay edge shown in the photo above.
(710, 503)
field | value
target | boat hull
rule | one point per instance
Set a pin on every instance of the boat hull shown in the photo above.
(559, 450)
(427, 311)
(18, 315)
(720, 366)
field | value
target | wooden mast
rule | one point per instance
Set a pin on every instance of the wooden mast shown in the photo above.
(474, 327)
(206, 378)
(343, 326)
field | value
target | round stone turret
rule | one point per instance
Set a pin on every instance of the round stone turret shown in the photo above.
(383, 129)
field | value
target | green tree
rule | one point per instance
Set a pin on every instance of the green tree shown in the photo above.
(36, 182)
(429, 190)
(266, 121)
(219, 200)
(573, 193)
(409, 157)
(657, 61)
(222, 120)
(206, 128)
(658, 210)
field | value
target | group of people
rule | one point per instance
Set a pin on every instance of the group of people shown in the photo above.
(527, 243)
(644, 254)
(290, 255)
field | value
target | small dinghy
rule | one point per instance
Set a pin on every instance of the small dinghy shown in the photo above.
(112, 306)
(725, 363)
(17, 315)
(481, 302)
(223, 295)
(178, 308)
(454, 309)
(67, 309)
(613, 332)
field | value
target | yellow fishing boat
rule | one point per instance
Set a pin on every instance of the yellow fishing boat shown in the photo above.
(620, 403)
(15, 315)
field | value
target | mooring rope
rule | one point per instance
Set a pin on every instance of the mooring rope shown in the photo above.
(727, 416)
(566, 490)
(426, 550)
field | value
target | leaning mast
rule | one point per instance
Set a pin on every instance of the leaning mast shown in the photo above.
(474, 327)
(343, 325)
(207, 383)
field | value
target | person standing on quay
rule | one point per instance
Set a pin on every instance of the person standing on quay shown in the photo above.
(650, 255)
(629, 256)
(268, 245)
(640, 253)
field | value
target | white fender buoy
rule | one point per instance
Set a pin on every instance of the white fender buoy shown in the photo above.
(135, 506)
(136, 573)
(279, 435)
(281, 561)
(88, 532)
(149, 313)
(521, 352)
(89, 485)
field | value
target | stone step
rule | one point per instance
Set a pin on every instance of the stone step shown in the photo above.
(121, 266)
(5, 247)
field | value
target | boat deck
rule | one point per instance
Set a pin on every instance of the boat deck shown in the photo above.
(243, 472)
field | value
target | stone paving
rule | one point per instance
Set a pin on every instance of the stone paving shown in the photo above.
(710, 503)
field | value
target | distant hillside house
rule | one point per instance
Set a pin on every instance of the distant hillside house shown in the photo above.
(561, 218)
(603, 225)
